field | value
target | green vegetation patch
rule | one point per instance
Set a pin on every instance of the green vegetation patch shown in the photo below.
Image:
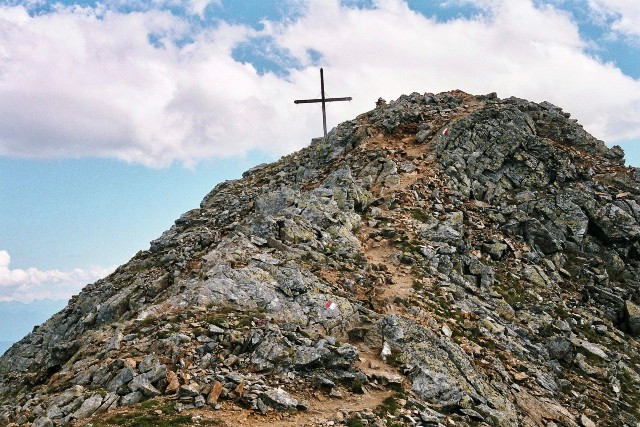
(137, 419)
(419, 215)
(152, 413)
(396, 358)
(223, 316)
(355, 422)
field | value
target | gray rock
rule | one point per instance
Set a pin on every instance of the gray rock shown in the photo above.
(616, 223)
(149, 362)
(594, 349)
(586, 421)
(560, 348)
(306, 357)
(279, 399)
(271, 203)
(42, 422)
(88, 407)
(442, 373)
(422, 135)
(188, 390)
(114, 343)
(131, 398)
(541, 237)
(495, 250)
(632, 317)
(157, 372)
(122, 378)
(142, 384)
(199, 401)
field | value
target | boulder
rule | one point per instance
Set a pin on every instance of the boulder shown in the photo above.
(142, 384)
(88, 407)
(123, 377)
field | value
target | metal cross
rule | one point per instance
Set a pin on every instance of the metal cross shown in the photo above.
(324, 101)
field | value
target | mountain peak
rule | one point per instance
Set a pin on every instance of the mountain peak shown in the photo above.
(443, 258)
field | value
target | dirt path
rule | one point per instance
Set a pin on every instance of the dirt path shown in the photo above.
(321, 409)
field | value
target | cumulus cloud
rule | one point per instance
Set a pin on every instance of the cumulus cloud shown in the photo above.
(624, 13)
(33, 284)
(152, 88)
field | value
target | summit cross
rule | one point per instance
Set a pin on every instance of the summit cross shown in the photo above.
(324, 101)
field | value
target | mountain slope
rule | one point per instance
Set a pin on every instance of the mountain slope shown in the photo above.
(455, 258)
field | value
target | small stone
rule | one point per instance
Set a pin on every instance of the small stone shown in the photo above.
(520, 376)
(386, 351)
(472, 414)
(42, 422)
(494, 328)
(188, 390)
(422, 135)
(594, 349)
(214, 394)
(216, 329)
(335, 393)
(199, 401)
(446, 330)
(586, 422)
(130, 363)
(114, 342)
(560, 348)
(173, 383)
(632, 317)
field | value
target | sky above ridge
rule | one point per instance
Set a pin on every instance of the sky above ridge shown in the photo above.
(117, 116)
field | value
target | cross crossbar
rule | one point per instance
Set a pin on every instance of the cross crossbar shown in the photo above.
(323, 100)
(309, 101)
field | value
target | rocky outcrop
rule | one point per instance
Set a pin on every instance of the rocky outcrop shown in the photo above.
(461, 259)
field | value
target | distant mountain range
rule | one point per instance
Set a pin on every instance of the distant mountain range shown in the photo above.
(17, 319)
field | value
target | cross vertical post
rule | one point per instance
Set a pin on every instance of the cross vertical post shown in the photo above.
(323, 100)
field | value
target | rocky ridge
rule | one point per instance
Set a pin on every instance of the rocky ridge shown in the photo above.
(442, 259)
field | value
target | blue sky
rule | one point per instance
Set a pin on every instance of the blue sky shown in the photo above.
(117, 116)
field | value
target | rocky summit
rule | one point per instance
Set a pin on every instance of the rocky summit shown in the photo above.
(441, 260)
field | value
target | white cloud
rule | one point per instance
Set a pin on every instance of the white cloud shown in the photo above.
(79, 82)
(514, 49)
(624, 13)
(33, 284)
(197, 7)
